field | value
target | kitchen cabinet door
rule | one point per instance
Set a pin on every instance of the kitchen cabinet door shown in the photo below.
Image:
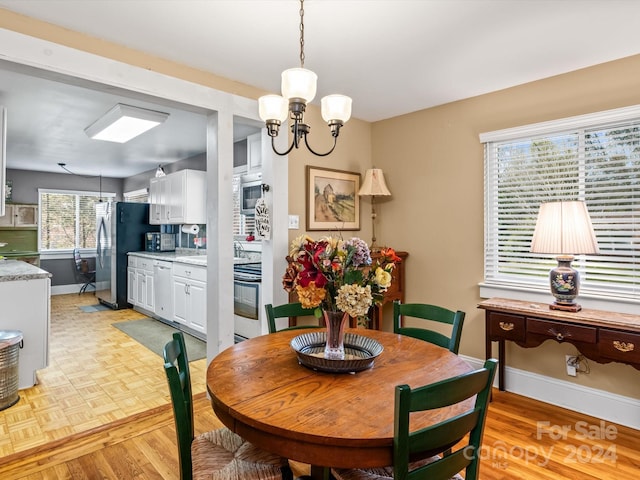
(19, 216)
(176, 193)
(180, 298)
(141, 288)
(254, 153)
(198, 306)
(131, 285)
(148, 300)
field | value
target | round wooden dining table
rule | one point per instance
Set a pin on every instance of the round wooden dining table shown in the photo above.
(260, 391)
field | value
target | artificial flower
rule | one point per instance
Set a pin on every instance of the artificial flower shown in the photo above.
(337, 275)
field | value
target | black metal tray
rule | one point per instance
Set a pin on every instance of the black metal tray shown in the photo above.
(360, 352)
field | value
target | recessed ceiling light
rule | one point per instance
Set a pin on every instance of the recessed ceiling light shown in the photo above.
(124, 122)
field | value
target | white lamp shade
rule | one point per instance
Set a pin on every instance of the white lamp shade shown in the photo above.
(374, 183)
(299, 83)
(273, 107)
(564, 228)
(336, 107)
(124, 122)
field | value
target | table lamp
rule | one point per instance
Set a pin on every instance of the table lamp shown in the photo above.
(564, 228)
(374, 186)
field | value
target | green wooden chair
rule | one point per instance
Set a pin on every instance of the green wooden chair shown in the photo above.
(416, 452)
(288, 310)
(431, 313)
(219, 454)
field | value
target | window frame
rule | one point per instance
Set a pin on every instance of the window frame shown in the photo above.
(538, 289)
(47, 254)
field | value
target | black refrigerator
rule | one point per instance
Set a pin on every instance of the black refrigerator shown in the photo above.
(120, 229)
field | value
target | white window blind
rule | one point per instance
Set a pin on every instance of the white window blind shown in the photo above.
(595, 158)
(68, 219)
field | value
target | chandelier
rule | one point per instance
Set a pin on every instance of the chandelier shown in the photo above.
(298, 89)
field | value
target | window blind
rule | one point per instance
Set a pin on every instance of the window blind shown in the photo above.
(597, 162)
(242, 224)
(67, 219)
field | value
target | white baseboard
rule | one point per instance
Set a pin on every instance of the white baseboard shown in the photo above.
(589, 401)
(72, 288)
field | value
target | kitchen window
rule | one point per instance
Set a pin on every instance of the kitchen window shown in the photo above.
(595, 158)
(242, 224)
(68, 219)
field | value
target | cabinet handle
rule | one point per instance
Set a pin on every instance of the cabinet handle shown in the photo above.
(559, 335)
(506, 326)
(623, 346)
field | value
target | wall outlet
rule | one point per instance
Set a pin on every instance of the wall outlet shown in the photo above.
(572, 363)
(294, 222)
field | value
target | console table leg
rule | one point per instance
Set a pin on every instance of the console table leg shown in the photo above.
(501, 356)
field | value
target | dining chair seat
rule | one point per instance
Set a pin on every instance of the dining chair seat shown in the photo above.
(218, 454)
(222, 455)
(383, 473)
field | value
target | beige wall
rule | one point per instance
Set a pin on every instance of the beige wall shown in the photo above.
(433, 163)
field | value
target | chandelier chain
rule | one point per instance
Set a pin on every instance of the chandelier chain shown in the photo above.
(301, 33)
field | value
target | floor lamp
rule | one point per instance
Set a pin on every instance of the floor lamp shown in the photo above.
(374, 186)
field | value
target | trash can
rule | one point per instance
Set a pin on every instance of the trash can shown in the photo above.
(10, 342)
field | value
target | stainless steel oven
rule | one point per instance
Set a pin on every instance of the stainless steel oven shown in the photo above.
(246, 300)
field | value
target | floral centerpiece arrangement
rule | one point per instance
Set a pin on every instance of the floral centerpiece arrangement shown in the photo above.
(338, 277)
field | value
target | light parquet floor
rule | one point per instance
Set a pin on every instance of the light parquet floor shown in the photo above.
(96, 375)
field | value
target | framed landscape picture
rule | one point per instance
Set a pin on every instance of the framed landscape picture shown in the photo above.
(332, 199)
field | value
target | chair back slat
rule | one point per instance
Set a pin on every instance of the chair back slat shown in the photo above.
(411, 444)
(287, 310)
(430, 313)
(176, 366)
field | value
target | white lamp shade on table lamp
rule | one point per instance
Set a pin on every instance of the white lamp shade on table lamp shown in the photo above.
(564, 229)
(374, 186)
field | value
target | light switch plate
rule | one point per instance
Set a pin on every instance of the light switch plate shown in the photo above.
(294, 222)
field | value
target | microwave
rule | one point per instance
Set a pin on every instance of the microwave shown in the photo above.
(250, 192)
(160, 242)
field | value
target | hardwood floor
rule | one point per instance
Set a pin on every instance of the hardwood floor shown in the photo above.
(102, 411)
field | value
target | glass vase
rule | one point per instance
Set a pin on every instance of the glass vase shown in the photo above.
(335, 322)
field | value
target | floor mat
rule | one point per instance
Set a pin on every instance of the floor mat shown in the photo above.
(98, 307)
(154, 334)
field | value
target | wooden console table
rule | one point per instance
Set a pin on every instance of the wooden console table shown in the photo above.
(394, 292)
(598, 335)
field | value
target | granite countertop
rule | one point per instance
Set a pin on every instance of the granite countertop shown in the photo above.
(12, 270)
(189, 256)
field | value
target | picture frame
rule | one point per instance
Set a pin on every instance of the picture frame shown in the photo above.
(332, 199)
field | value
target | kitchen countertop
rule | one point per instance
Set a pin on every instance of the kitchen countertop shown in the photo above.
(13, 270)
(189, 257)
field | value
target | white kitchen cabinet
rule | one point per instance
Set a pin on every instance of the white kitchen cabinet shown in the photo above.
(131, 284)
(254, 153)
(140, 288)
(26, 307)
(158, 200)
(190, 296)
(178, 198)
(18, 215)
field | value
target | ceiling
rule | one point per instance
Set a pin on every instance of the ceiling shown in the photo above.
(391, 56)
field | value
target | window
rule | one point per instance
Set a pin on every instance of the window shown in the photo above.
(137, 196)
(595, 158)
(68, 219)
(242, 224)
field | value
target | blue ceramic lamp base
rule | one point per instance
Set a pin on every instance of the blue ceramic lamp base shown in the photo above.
(565, 284)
